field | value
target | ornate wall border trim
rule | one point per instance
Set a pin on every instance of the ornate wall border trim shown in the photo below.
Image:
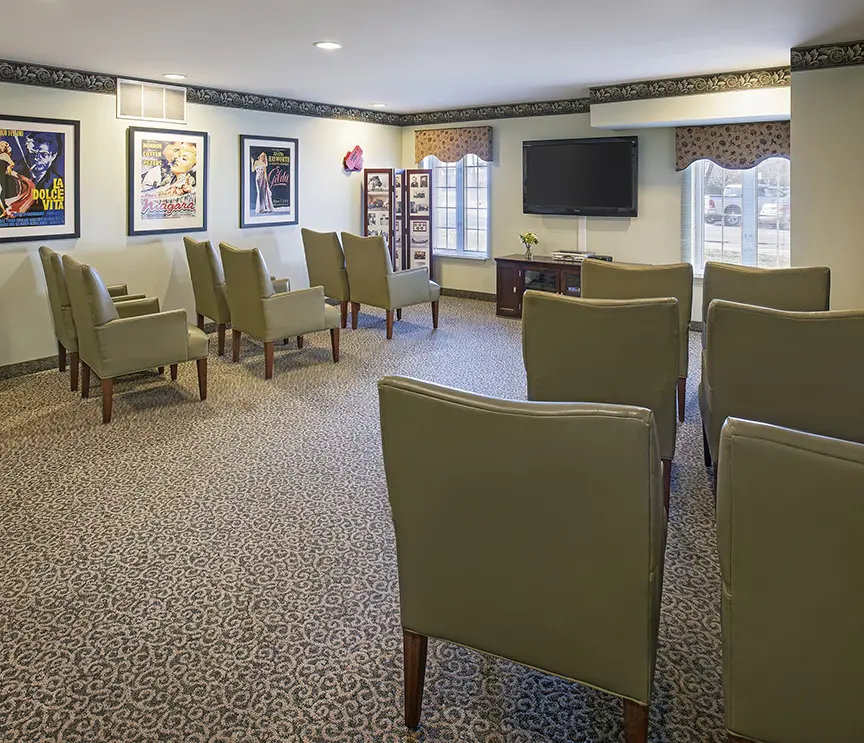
(92, 82)
(507, 111)
(827, 56)
(774, 77)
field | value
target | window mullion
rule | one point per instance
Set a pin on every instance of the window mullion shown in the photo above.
(460, 206)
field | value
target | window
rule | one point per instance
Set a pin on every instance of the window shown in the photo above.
(736, 216)
(460, 203)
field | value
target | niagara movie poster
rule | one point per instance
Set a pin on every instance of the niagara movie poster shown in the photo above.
(38, 179)
(268, 181)
(168, 181)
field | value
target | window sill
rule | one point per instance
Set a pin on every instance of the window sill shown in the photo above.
(448, 255)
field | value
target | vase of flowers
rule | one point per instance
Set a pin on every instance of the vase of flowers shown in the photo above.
(528, 239)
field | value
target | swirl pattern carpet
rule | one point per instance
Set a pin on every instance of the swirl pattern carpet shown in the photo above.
(225, 571)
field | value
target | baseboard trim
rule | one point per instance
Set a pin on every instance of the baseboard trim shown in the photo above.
(462, 294)
(23, 368)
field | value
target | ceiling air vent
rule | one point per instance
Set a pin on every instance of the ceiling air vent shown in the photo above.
(151, 101)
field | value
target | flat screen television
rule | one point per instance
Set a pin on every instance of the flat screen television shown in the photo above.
(581, 177)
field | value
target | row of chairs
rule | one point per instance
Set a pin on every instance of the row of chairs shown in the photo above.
(230, 286)
(566, 576)
(360, 273)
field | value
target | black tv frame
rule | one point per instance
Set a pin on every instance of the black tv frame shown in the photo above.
(590, 211)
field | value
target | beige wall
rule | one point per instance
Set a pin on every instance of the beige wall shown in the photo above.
(328, 200)
(652, 237)
(827, 162)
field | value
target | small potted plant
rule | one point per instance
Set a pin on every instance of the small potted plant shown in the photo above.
(528, 239)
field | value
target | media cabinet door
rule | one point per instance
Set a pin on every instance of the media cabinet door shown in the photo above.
(510, 289)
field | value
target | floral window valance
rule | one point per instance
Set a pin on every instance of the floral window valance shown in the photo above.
(735, 146)
(451, 145)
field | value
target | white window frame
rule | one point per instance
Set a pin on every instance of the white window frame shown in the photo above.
(693, 220)
(461, 229)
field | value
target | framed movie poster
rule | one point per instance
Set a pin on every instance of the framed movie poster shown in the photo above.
(268, 181)
(167, 181)
(39, 179)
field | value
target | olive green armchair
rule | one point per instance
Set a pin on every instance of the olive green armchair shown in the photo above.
(605, 351)
(61, 311)
(565, 578)
(373, 281)
(261, 312)
(795, 369)
(112, 345)
(805, 289)
(325, 262)
(790, 514)
(208, 285)
(603, 280)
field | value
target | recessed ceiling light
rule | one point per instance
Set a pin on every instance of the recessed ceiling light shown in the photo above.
(378, 105)
(174, 76)
(329, 45)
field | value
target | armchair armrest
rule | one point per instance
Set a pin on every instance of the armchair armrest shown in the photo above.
(280, 286)
(294, 313)
(408, 287)
(127, 297)
(137, 307)
(117, 290)
(135, 343)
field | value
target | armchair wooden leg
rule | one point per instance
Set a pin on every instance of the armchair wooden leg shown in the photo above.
(235, 345)
(202, 378)
(173, 372)
(414, 648)
(73, 371)
(161, 370)
(435, 315)
(705, 448)
(61, 357)
(399, 314)
(200, 319)
(343, 308)
(389, 324)
(220, 334)
(107, 399)
(682, 397)
(334, 343)
(635, 722)
(299, 341)
(268, 360)
(355, 314)
(85, 381)
(667, 482)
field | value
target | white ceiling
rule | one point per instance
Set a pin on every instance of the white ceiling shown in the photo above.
(417, 56)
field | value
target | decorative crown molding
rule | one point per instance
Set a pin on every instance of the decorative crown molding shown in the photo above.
(507, 111)
(91, 82)
(775, 77)
(825, 56)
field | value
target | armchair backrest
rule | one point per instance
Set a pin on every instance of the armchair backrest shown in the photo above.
(208, 280)
(790, 514)
(604, 280)
(604, 351)
(325, 262)
(368, 262)
(247, 283)
(795, 369)
(58, 298)
(805, 289)
(91, 307)
(542, 538)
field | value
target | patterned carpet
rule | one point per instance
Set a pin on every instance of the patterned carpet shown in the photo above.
(225, 571)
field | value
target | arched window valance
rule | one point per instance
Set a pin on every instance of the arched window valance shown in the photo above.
(451, 145)
(735, 146)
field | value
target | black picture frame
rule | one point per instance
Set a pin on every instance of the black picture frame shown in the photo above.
(277, 203)
(159, 181)
(26, 215)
